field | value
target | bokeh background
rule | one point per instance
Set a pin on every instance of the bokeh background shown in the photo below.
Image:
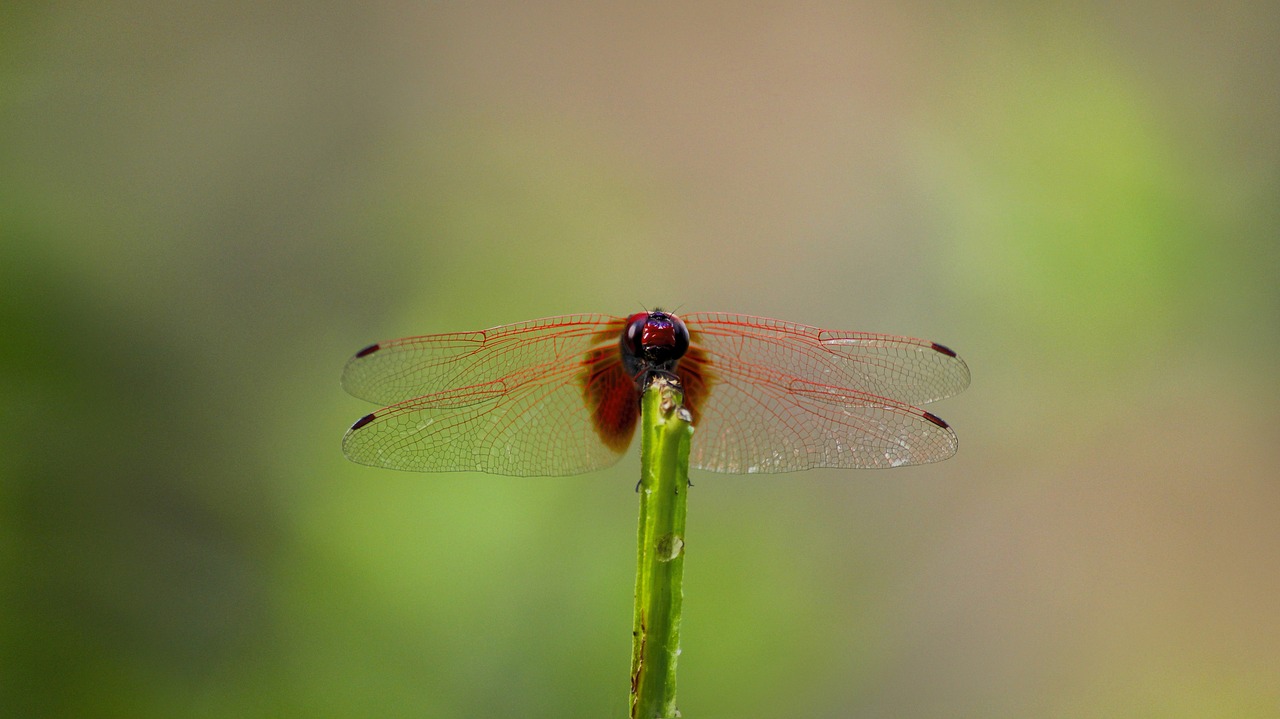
(205, 209)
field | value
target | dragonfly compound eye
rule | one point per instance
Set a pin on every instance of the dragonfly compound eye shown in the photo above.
(633, 335)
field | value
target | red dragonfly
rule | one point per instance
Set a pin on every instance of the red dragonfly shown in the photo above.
(561, 395)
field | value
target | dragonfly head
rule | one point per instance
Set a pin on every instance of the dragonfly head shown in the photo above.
(656, 337)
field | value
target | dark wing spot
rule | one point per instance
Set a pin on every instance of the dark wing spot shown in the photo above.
(374, 348)
(936, 420)
(362, 421)
(941, 348)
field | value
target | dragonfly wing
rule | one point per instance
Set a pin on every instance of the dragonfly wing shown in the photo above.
(908, 370)
(402, 369)
(746, 423)
(531, 428)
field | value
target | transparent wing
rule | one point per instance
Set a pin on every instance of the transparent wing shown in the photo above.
(402, 369)
(907, 370)
(746, 423)
(528, 427)
(773, 396)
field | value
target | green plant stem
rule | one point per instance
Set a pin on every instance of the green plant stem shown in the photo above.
(665, 433)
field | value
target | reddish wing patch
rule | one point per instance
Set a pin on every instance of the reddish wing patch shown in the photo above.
(611, 397)
(696, 379)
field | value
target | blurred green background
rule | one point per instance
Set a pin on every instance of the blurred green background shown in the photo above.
(205, 209)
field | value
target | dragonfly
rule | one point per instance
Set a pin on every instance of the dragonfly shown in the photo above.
(561, 395)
